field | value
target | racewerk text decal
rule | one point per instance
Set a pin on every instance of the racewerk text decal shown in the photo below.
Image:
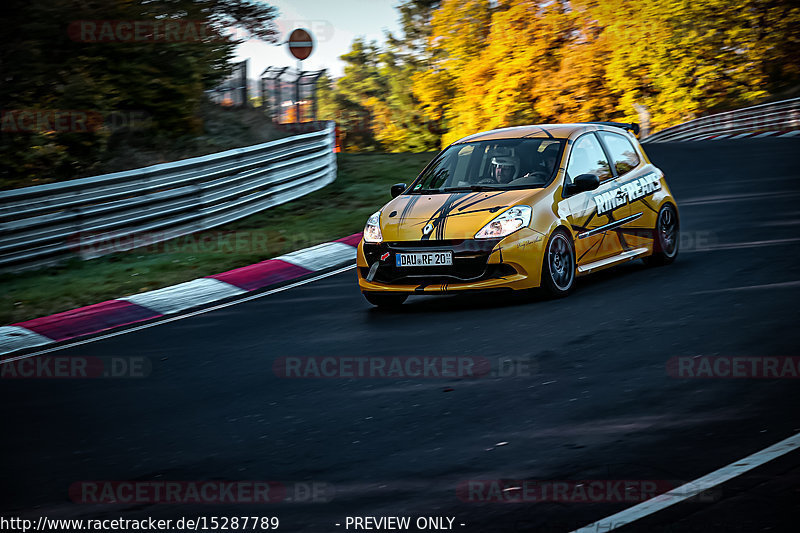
(627, 192)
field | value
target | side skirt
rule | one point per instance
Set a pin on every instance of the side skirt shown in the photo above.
(609, 261)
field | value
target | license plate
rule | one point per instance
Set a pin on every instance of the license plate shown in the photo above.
(416, 259)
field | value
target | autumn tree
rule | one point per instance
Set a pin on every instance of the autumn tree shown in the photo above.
(683, 59)
(459, 30)
(45, 66)
(373, 102)
(473, 65)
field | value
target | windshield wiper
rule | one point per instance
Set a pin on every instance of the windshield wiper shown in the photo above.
(464, 188)
(475, 188)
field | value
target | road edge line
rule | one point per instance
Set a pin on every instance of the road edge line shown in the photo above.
(693, 488)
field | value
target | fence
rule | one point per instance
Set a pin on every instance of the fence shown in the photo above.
(289, 95)
(40, 225)
(232, 92)
(765, 117)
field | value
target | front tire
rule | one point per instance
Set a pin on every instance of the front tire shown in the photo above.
(558, 268)
(385, 299)
(666, 239)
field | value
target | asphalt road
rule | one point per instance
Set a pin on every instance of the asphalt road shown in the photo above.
(589, 397)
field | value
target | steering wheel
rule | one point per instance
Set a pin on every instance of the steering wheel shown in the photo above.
(538, 174)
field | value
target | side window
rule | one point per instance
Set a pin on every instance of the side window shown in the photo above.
(439, 175)
(622, 152)
(587, 157)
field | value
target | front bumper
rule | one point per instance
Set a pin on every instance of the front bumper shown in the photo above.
(514, 262)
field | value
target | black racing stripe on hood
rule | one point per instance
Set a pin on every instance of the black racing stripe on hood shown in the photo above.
(490, 209)
(480, 200)
(444, 211)
(454, 202)
(439, 216)
(407, 208)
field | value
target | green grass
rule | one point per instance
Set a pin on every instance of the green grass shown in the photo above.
(338, 210)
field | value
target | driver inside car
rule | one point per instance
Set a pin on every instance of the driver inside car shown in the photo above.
(549, 157)
(542, 169)
(502, 170)
(507, 169)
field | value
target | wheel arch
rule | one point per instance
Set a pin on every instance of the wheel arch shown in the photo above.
(551, 285)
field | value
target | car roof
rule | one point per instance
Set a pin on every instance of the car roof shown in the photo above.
(542, 131)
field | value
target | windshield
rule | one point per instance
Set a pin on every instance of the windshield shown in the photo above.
(495, 164)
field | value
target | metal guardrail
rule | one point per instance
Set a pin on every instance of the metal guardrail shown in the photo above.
(47, 224)
(764, 117)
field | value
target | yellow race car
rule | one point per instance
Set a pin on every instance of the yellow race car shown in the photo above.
(519, 208)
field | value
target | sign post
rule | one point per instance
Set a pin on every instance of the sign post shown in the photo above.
(301, 44)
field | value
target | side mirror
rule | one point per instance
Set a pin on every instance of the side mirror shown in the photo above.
(583, 182)
(398, 188)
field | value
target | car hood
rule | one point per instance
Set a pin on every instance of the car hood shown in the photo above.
(458, 215)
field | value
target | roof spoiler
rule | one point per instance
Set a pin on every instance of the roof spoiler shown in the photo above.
(630, 126)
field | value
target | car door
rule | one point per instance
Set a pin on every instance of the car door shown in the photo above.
(592, 214)
(637, 183)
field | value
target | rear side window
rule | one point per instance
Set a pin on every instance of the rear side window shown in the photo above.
(587, 157)
(621, 150)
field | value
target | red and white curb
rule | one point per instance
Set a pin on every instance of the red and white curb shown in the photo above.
(149, 305)
(183, 296)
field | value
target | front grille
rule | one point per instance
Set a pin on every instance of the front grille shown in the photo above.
(469, 262)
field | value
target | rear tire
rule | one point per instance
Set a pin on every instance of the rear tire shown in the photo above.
(385, 299)
(558, 267)
(667, 237)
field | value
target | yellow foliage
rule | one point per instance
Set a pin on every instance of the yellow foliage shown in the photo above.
(513, 62)
(473, 65)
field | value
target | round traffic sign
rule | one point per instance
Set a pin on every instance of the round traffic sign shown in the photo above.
(300, 44)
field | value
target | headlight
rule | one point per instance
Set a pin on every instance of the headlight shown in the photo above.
(372, 231)
(506, 222)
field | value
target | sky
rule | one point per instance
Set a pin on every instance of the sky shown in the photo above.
(333, 24)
